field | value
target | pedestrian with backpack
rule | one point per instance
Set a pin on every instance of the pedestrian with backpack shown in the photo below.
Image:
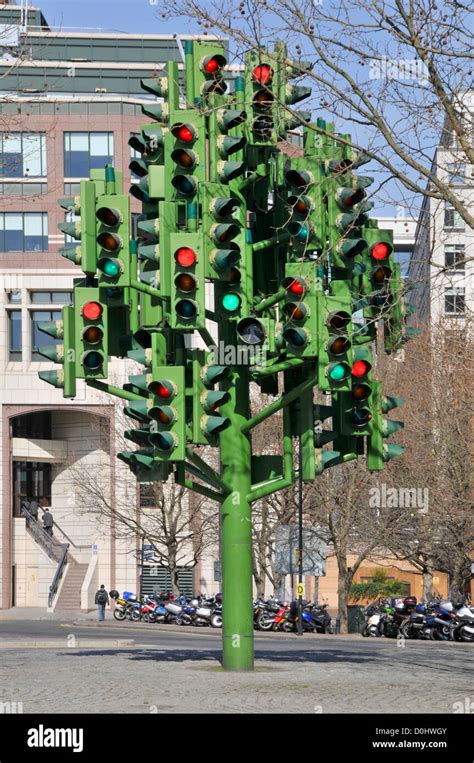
(102, 599)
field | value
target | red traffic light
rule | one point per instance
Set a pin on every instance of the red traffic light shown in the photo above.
(163, 389)
(184, 132)
(360, 368)
(263, 74)
(92, 311)
(294, 286)
(380, 251)
(185, 257)
(212, 66)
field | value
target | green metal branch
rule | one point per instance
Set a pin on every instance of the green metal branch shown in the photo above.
(111, 390)
(279, 404)
(210, 473)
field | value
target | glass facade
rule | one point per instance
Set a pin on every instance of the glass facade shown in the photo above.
(84, 151)
(23, 232)
(22, 155)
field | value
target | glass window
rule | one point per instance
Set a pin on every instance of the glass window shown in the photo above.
(84, 151)
(452, 219)
(14, 331)
(72, 189)
(23, 232)
(22, 155)
(39, 338)
(36, 425)
(454, 301)
(454, 257)
(32, 479)
(55, 297)
(14, 296)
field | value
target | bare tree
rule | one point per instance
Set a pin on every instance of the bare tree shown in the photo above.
(396, 70)
(179, 525)
(436, 383)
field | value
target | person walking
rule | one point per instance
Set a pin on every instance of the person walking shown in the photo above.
(48, 521)
(102, 600)
(33, 508)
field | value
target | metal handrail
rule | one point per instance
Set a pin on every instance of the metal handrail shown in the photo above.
(59, 573)
(45, 540)
(40, 534)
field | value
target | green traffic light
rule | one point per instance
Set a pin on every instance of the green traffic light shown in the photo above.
(231, 302)
(337, 372)
(110, 267)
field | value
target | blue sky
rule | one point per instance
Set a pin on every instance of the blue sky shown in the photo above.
(130, 16)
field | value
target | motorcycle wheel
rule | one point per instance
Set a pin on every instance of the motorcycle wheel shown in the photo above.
(216, 621)
(187, 619)
(364, 631)
(406, 630)
(265, 622)
(373, 631)
(179, 621)
(287, 627)
(329, 629)
(465, 636)
(135, 615)
(119, 615)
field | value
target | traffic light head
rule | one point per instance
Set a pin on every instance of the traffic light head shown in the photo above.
(113, 244)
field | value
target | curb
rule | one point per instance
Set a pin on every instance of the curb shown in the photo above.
(60, 644)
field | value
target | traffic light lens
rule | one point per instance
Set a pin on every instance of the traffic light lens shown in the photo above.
(297, 288)
(263, 99)
(186, 309)
(338, 321)
(263, 74)
(360, 418)
(296, 338)
(165, 415)
(338, 372)
(212, 66)
(185, 159)
(92, 311)
(251, 331)
(110, 268)
(360, 392)
(184, 185)
(381, 275)
(108, 216)
(360, 368)
(185, 134)
(339, 346)
(185, 257)
(92, 360)
(93, 335)
(185, 282)
(165, 441)
(231, 302)
(162, 390)
(380, 251)
(294, 313)
(108, 241)
(355, 198)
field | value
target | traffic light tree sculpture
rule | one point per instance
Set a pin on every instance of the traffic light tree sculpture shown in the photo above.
(272, 261)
